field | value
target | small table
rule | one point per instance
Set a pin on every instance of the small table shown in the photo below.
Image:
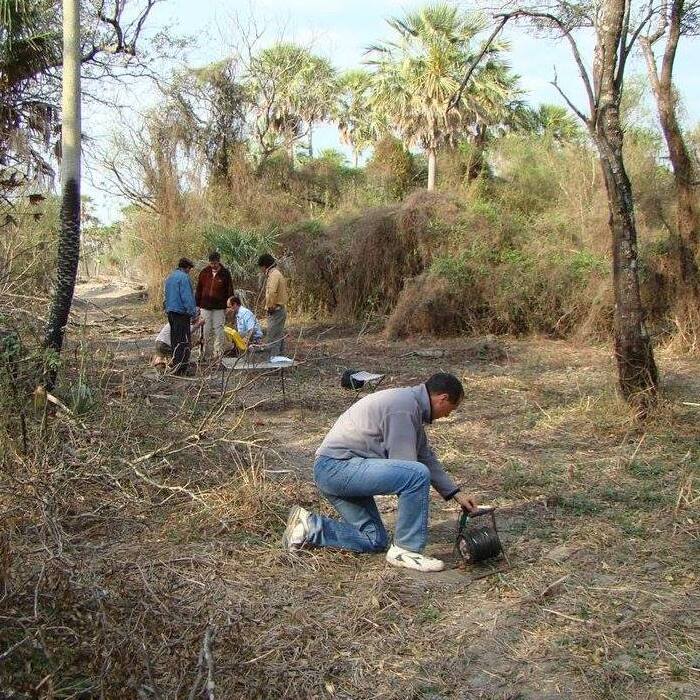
(242, 364)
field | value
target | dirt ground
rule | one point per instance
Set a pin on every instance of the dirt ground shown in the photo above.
(598, 515)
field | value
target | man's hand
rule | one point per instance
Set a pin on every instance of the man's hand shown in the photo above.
(467, 502)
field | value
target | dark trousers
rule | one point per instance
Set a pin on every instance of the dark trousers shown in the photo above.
(180, 340)
(163, 349)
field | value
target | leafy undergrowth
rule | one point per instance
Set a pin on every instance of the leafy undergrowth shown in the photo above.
(139, 550)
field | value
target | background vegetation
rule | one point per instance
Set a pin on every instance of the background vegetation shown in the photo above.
(515, 240)
(140, 514)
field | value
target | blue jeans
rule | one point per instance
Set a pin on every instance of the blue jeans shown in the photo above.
(350, 484)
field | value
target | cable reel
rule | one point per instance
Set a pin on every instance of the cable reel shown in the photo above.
(477, 540)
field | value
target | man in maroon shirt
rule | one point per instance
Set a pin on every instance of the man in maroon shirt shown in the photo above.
(214, 287)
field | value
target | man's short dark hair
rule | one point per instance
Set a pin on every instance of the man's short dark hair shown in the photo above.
(235, 299)
(214, 256)
(266, 260)
(185, 264)
(444, 383)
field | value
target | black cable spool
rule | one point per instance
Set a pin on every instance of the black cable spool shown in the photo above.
(477, 543)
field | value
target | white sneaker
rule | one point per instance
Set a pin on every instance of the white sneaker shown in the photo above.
(297, 528)
(397, 556)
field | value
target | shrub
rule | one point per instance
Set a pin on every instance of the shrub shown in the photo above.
(486, 290)
(364, 259)
(321, 181)
(239, 248)
(391, 167)
(311, 262)
(161, 244)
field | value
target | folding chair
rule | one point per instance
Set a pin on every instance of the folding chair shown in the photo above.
(362, 380)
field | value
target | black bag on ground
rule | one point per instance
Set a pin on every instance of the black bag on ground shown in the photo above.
(347, 382)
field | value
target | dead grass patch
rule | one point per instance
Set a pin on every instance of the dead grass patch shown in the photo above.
(152, 578)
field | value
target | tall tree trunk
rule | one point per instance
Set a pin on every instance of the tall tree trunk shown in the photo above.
(637, 371)
(311, 141)
(685, 240)
(431, 168)
(68, 253)
(220, 165)
(476, 161)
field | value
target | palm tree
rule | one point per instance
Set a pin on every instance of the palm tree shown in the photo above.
(419, 72)
(30, 63)
(360, 126)
(69, 235)
(492, 107)
(29, 42)
(556, 122)
(314, 92)
(293, 89)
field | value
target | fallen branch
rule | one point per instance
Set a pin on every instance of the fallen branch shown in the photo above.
(580, 620)
(205, 657)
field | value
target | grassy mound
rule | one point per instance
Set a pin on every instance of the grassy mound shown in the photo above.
(361, 262)
(436, 265)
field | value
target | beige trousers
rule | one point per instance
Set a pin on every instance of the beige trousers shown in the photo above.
(213, 332)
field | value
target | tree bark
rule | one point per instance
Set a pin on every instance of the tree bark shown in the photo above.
(637, 372)
(684, 243)
(68, 254)
(638, 375)
(432, 167)
(476, 161)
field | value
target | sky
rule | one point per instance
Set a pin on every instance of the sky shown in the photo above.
(341, 30)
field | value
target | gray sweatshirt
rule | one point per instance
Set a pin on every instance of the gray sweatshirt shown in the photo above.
(388, 425)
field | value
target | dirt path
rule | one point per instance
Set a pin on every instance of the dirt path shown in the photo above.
(601, 600)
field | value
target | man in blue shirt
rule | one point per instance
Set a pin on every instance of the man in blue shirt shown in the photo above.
(180, 307)
(242, 320)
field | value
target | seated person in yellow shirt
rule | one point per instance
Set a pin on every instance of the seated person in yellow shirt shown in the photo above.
(242, 328)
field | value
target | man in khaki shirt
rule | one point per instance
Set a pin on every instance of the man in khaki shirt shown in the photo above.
(275, 303)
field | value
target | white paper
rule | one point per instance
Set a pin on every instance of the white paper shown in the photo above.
(366, 376)
(281, 359)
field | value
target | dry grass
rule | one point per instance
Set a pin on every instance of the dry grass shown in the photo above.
(140, 549)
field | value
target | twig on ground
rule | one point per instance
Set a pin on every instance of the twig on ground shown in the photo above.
(580, 620)
(7, 652)
(205, 658)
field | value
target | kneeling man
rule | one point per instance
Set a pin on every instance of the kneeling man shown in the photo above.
(242, 327)
(378, 447)
(164, 350)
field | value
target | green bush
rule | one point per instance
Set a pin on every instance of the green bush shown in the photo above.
(583, 263)
(240, 248)
(515, 290)
(391, 168)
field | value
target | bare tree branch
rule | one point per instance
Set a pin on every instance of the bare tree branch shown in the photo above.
(454, 101)
(572, 106)
(554, 21)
